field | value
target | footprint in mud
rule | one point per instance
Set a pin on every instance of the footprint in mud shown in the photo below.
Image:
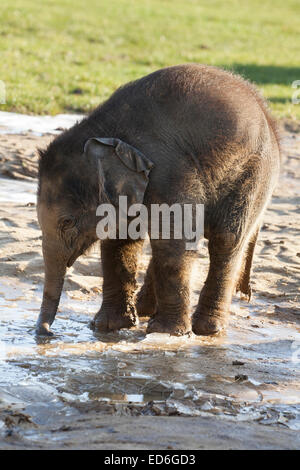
(28, 255)
(88, 268)
(33, 225)
(267, 247)
(291, 313)
(72, 285)
(35, 266)
(9, 222)
(6, 240)
(289, 259)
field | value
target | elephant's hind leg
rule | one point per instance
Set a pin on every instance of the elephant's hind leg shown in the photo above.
(243, 284)
(211, 315)
(146, 303)
(119, 262)
(234, 220)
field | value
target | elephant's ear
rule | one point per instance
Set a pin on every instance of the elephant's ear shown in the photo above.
(124, 170)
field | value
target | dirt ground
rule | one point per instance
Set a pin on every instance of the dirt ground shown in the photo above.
(128, 391)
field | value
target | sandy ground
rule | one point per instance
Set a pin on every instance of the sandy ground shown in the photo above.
(238, 391)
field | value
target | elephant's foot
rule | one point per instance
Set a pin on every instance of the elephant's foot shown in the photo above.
(43, 329)
(244, 287)
(207, 324)
(164, 324)
(146, 304)
(110, 319)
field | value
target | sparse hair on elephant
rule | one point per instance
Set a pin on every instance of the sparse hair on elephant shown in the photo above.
(189, 134)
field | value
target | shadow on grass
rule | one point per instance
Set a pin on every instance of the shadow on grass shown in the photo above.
(276, 99)
(267, 74)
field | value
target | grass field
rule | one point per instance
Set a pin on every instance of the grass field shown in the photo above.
(69, 55)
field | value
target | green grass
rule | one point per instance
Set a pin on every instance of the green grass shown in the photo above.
(69, 55)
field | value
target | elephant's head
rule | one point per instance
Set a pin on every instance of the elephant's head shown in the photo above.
(71, 186)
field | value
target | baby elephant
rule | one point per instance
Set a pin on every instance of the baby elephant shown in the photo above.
(189, 134)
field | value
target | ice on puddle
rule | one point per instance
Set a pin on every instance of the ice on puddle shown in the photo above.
(206, 406)
(135, 398)
(84, 397)
(177, 407)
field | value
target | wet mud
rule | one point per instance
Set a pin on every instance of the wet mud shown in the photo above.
(132, 390)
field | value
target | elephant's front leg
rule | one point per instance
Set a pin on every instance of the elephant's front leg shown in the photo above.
(211, 315)
(119, 263)
(171, 271)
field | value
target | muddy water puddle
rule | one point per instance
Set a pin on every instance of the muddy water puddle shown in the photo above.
(245, 375)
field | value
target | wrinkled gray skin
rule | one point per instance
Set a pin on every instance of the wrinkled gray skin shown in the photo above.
(184, 134)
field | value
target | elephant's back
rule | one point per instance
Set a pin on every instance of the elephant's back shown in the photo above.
(194, 108)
